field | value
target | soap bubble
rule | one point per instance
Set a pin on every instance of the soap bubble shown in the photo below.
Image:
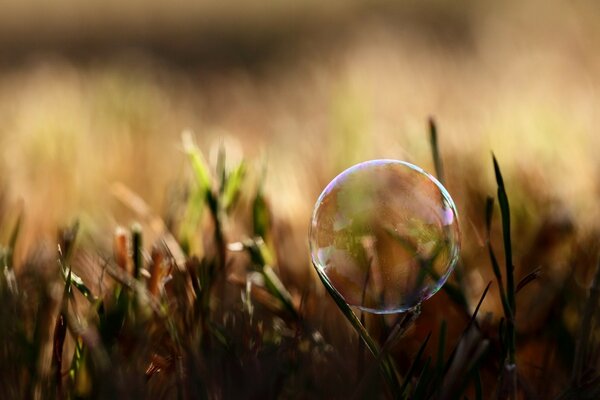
(384, 235)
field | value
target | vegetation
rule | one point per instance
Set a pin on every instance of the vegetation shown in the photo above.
(193, 314)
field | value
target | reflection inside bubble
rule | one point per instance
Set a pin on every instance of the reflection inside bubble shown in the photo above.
(384, 235)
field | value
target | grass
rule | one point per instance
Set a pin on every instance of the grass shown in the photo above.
(180, 310)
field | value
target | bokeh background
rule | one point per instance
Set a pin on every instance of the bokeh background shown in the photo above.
(99, 92)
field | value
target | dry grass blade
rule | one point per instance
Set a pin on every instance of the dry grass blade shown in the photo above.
(134, 202)
(157, 271)
(121, 249)
(527, 279)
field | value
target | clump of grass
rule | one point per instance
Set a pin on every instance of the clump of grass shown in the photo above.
(198, 309)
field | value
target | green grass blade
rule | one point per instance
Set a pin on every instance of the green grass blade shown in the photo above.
(510, 282)
(508, 386)
(276, 287)
(505, 214)
(199, 165)
(489, 210)
(233, 187)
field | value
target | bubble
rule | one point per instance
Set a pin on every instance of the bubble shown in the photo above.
(384, 235)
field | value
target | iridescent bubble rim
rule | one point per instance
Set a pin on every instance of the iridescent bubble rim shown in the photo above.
(448, 202)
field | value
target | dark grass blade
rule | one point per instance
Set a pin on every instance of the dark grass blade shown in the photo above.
(527, 279)
(437, 160)
(465, 357)
(585, 331)
(386, 363)
(508, 385)
(471, 322)
(478, 386)
(502, 335)
(136, 244)
(413, 366)
(505, 214)
(441, 349)
(489, 210)
(455, 293)
(423, 384)
(60, 334)
(403, 322)
(485, 291)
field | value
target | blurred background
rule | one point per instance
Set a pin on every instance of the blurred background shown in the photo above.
(99, 92)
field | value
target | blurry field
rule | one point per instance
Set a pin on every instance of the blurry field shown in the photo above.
(301, 95)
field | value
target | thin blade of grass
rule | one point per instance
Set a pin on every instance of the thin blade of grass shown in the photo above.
(478, 386)
(437, 160)
(471, 322)
(261, 217)
(199, 165)
(233, 187)
(423, 382)
(60, 334)
(585, 331)
(12, 242)
(76, 281)
(413, 365)
(505, 214)
(441, 349)
(136, 244)
(277, 288)
(508, 387)
(386, 364)
(527, 279)
(455, 293)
